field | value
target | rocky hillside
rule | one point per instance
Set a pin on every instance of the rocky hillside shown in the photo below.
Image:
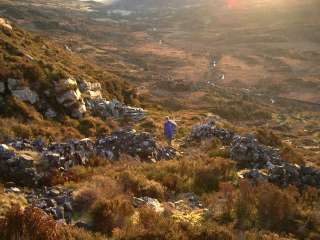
(40, 81)
(80, 160)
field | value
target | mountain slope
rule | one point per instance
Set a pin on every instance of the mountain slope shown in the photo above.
(31, 67)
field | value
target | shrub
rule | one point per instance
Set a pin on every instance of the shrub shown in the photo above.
(148, 124)
(151, 226)
(33, 223)
(245, 205)
(35, 75)
(206, 180)
(87, 127)
(208, 175)
(95, 189)
(269, 138)
(289, 154)
(141, 186)
(279, 215)
(211, 232)
(110, 214)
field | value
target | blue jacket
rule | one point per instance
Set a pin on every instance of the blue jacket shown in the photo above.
(169, 129)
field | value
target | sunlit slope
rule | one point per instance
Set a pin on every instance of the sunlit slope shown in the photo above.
(272, 45)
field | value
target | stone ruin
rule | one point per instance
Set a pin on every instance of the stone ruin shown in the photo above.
(27, 163)
(259, 162)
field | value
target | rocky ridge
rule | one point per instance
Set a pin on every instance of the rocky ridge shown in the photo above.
(27, 162)
(257, 161)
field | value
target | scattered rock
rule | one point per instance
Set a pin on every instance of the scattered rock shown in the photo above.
(209, 130)
(2, 87)
(15, 190)
(13, 83)
(150, 202)
(247, 152)
(83, 225)
(49, 200)
(50, 113)
(26, 95)
(129, 142)
(260, 162)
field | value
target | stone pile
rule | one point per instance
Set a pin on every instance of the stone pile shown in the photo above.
(92, 90)
(285, 175)
(55, 201)
(66, 155)
(27, 162)
(18, 167)
(247, 152)
(69, 95)
(259, 161)
(134, 144)
(208, 130)
(148, 201)
(77, 98)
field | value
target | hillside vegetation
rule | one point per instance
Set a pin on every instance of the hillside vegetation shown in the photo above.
(37, 63)
(85, 89)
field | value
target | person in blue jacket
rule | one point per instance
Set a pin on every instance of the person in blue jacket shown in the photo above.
(169, 130)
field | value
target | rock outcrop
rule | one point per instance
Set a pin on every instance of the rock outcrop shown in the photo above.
(23, 93)
(5, 24)
(69, 95)
(104, 108)
(26, 95)
(82, 96)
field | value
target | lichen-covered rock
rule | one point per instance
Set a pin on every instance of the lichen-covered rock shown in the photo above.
(26, 95)
(69, 97)
(68, 94)
(66, 84)
(103, 108)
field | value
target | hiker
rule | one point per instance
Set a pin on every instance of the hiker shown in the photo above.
(169, 130)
